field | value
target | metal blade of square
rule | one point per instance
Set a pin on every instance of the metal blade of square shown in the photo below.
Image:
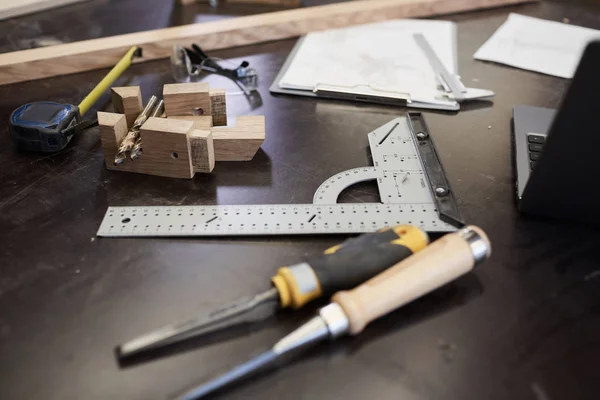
(411, 181)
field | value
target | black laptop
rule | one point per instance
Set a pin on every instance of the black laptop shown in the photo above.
(557, 152)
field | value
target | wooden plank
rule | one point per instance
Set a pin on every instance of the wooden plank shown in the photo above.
(203, 151)
(284, 3)
(187, 99)
(127, 100)
(14, 8)
(102, 53)
(218, 107)
(239, 142)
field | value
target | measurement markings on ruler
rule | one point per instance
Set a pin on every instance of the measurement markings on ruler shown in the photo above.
(400, 173)
(264, 220)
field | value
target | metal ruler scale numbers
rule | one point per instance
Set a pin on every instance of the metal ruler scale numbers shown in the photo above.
(411, 181)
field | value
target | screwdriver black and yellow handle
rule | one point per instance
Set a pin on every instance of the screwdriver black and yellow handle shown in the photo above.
(347, 265)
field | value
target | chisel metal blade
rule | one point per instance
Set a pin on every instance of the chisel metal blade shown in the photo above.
(246, 309)
(308, 334)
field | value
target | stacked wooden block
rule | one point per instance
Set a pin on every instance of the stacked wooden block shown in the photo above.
(190, 139)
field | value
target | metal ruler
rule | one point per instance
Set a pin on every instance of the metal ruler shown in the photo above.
(411, 181)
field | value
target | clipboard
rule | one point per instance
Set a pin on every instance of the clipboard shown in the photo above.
(452, 91)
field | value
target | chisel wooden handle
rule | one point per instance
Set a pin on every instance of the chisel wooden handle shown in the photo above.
(441, 262)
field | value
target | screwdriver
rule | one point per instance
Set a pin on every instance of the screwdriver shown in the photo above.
(351, 311)
(341, 267)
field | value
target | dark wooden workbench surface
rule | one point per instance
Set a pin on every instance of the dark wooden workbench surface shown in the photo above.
(524, 326)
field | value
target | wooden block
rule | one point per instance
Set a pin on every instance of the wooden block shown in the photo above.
(187, 99)
(167, 147)
(239, 142)
(165, 144)
(203, 151)
(218, 104)
(113, 129)
(127, 100)
(202, 121)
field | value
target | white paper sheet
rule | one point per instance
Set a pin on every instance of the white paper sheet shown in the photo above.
(383, 56)
(549, 47)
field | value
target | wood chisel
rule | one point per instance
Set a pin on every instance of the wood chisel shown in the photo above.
(47, 126)
(350, 311)
(341, 267)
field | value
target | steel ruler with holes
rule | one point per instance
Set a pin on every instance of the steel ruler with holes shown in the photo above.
(411, 181)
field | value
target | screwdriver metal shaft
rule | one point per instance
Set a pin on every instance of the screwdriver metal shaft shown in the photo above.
(340, 267)
(441, 262)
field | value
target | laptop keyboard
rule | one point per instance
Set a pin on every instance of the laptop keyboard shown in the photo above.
(536, 144)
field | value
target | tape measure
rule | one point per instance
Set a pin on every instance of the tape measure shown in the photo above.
(410, 177)
(47, 126)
